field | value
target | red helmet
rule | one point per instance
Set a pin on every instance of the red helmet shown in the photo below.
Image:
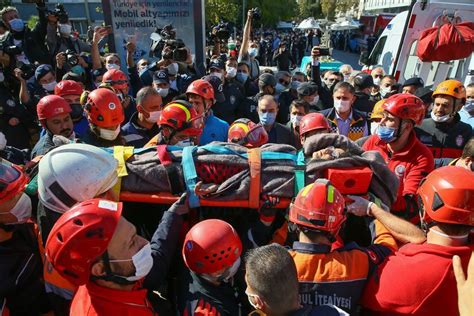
(210, 246)
(405, 106)
(104, 108)
(313, 121)
(12, 180)
(447, 196)
(180, 116)
(116, 78)
(68, 87)
(80, 236)
(51, 106)
(203, 88)
(246, 133)
(319, 206)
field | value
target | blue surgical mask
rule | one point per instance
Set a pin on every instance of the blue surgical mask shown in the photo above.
(469, 106)
(386, 134)
(78, 70)
(17, 25)
(242, 77)
(253, 52)
(279, 88)
(267, 118)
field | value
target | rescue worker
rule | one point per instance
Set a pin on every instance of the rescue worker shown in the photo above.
(411, 85)
(444, 133)
(179, 124)
(405, 155)
(465, 161)
(22, 290)
(105, 115)
(246, 133)
(311, 124)
(202, 95)
(418, 279)
(267, 113)
(97, 249)
(375, 118)
(211, 252)
(318, 213)
(71, 91)
(143, 124)
(344, 117)
(467, 111)
(54, 114)
(118, 80)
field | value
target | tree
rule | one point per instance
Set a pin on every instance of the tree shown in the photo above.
(217, 10)
(328, 8)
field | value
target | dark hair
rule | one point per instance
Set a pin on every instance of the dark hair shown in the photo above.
(390, 77)
(344, 85)
(471, 85)
(300, 103)
(271, 273)
(144, 93)
(468, 150)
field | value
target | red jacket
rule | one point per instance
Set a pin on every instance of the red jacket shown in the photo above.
(416, 280)
(94, 300)
(411, 165)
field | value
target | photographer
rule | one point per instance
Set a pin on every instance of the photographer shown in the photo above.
(70, 62)
(282, 58)
(21, 43)
(248, 55)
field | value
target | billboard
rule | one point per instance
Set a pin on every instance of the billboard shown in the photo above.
(136, 20)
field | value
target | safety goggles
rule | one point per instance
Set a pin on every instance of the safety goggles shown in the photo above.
(12, 180)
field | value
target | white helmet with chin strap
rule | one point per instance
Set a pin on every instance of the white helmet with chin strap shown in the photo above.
(74, 173)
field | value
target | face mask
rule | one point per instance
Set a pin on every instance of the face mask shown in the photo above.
(108, 134)
(78, 70)
(173, 68)
(112, 66)
(154, 117)
(2, 77)
(184, 143)
(231, 72)
(226, 276)
(17, 25)
(142, 261)
(315, 100)
(21, 210)
(385, 91)
(49, 86)
(469, 106)
(342, 106)
(217, 74)
(163, 92)
(77, 111)
(173, 85)
(377, 81)
(295, 85)
(3, 141)
(267, 118)
(295, 119)
(242, 77)
(253, 52)
(279, 88)
(386, 134)
(65, 29)
(440, 119)
(373, 128)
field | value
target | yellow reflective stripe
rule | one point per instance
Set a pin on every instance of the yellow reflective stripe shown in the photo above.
(330, 194)
(306, 189)
(243, 126)
(121, 153)
(185, 109)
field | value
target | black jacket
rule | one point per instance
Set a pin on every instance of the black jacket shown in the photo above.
(283, 59)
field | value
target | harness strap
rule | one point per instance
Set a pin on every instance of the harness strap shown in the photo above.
(255, 177)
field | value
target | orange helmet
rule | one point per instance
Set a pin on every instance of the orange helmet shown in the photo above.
(313, 121)
(452, 88)
(405, 106)
(80, 236)
(447, 196)
(181, 117)
(68, 87)
(104, 108)
(246, 133)
(12, 180)
(210, 246)
(202, 88)
(116, 78)
(319, 206)
(377, 111)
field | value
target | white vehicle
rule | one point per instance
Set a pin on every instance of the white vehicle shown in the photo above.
(395, 49)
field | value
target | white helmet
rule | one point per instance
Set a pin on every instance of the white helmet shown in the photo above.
(74, 173)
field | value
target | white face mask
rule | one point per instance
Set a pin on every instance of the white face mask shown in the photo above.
(142, 261)
(3, 141)
(342, 106)
(49, 86)
(154, 117)
(295, 119)
(173, 85)
(107, 134)
(315, 100)
(377, 81)
(112, 66)
(65, 29)
(21, 210)
(440, 119)
(384, 91)
(373, 128)
(173, 68)
(231, 72)
(469, 106)
(184, 143)
(346, 78)
(163, 92)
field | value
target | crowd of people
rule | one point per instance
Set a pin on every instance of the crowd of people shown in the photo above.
(68, 246)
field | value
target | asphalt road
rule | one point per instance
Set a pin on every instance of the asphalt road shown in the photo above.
(347, 58)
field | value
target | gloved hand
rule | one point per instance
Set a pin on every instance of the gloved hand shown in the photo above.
(181, 206)
(360, 206)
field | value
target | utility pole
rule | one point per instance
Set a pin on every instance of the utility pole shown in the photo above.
(244, 15)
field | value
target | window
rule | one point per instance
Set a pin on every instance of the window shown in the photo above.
(377, 51)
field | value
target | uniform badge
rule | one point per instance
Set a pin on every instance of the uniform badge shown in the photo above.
(10, 103)
(112, 106)
(400, 170)
(459, 140)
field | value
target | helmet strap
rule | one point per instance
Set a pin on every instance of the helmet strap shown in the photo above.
(109, 275)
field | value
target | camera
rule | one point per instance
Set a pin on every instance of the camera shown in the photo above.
(177, 50)
(256, 13)
(71, 58)
(324, 51)
(28, 70)
(11, 50)
(60, 13)
(221, 31)
(159, 38)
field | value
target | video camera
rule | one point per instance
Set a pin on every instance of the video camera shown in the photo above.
(71, 58)
(220, 31)
(162, 37)
(177, 50)
(60, 13)
(256, 13)
(28, 70)
(11, 49)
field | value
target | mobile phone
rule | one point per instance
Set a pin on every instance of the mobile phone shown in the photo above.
(108, 28)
